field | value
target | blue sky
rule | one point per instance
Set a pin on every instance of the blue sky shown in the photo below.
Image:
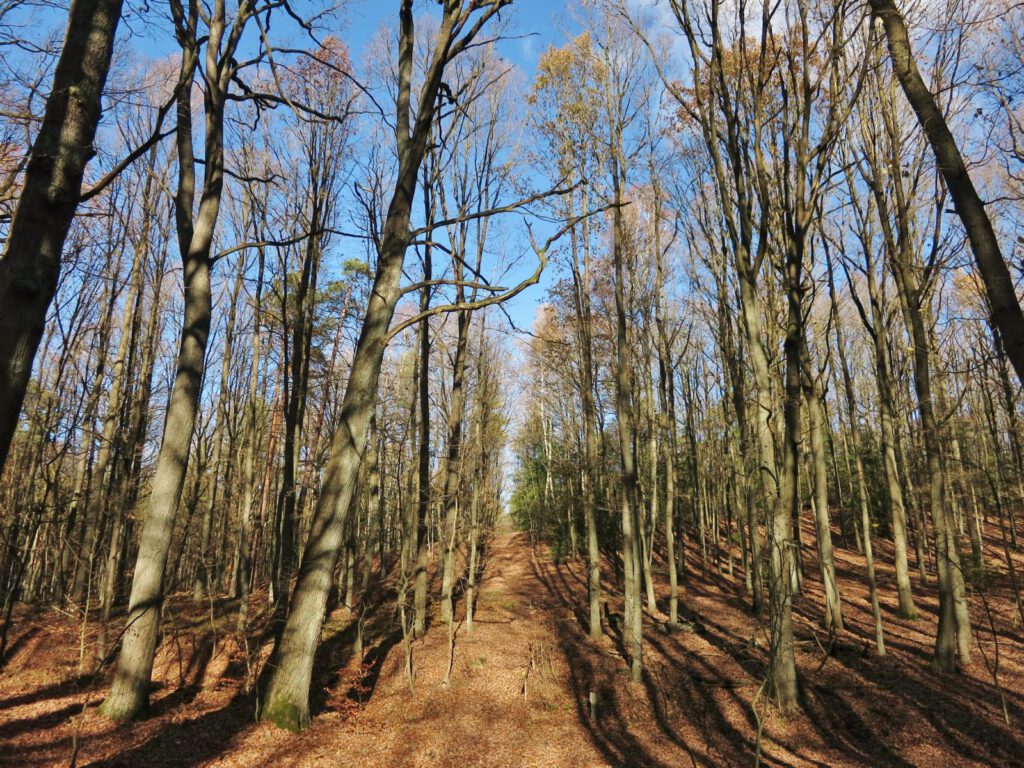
(541, 20)
(533, 26)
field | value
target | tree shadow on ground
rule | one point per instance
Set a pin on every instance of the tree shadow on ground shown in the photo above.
(206, 737)
(68, 687)
(16, 645)
(963, 710)
(589, 674)
(841, 720)
(212, 734)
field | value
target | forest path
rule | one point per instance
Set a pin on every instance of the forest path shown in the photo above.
(520, 683)
(509, 701)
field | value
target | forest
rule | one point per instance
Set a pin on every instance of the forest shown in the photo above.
(511, 383)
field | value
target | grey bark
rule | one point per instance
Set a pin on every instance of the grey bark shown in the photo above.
(129, 694)
(286, 701)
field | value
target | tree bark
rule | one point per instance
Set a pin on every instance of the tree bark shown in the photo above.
(453, 464)
(31, 264)
(629, 495)
(584, 325)
(250, 441)
(129, 694)
(1002, 298)
(286, 702)
(823, 527)
(30, 267)
(423, 456)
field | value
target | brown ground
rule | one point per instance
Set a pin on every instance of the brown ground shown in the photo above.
(521, 680)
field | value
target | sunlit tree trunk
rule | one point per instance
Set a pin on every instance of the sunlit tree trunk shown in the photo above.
(286, 701)
(129, 693)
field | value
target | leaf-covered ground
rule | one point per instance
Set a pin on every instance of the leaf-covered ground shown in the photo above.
(521, 681)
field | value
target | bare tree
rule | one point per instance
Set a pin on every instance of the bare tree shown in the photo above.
(30, 267)
(286, 701)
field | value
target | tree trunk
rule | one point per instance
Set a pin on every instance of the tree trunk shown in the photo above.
(667, 410)
(954, 631)
(30, 267)
(204, 573)
(894, 489)
(1002, 298)
(423, 463)
(129, 694)
(784, 679)
(453, 463)
(823, 527)
(250, 441)
(286, 702)
(633, 624)
(374, 515)
(584, 325)
(862, 490)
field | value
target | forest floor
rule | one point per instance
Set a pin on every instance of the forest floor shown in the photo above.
(521, 682)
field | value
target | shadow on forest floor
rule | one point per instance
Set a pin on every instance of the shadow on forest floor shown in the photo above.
(857, 708)
(700, 701)
(203, 695)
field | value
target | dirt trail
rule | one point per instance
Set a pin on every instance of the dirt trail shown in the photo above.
(509, 702)
(520, 683)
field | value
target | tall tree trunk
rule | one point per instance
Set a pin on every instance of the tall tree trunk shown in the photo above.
(423, 461)
(374, 508)
(629, 495)
(584, 326)
(294, 394)
(129, 694)
(862, 490)
(286, 702)
(250, 441)
(954, 631)
(875, 321)
(453, 463)
(784, 680)
(740, 442)
(667, 411)
(1002, 298)
(894, 489)
(894, 215)
(30, 267)
(205, 570)
(823, 526)
(649, 530)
